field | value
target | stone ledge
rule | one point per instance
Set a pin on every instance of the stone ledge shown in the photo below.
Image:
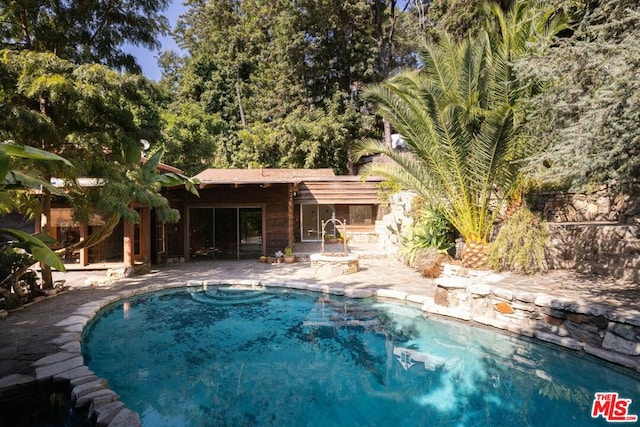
(558, 320)
(80, 371)
(14, 380)
(48, 371)
(561, 341)
(105, 413)
(358, 293)
(86, 399)
(55, 358)
(88, 387)
(390, 293)
(612, 357)
(125, 418)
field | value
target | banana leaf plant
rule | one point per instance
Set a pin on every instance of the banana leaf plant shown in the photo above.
(14, 180)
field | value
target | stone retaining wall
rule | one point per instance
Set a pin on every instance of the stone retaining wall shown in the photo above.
(599, 248)
(598, 206)
(612, 334)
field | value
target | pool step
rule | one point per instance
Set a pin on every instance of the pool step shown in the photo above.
(332, 313)
(231, 296)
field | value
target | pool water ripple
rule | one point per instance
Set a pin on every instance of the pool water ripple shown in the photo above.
(227, 356)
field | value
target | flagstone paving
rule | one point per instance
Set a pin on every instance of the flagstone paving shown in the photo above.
(41, 341)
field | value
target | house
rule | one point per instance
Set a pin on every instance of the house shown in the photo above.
(244, 213)
(240, 214)
(127, 244)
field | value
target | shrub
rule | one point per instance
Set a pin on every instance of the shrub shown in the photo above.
(432, 230)
(520, 244)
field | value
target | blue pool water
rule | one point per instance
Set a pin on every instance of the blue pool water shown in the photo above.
(224, 356)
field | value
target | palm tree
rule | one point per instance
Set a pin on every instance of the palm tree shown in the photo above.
(460, 116)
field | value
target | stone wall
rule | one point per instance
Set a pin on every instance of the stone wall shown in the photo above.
(607, 333)
(598, 206)
(396, 222)
(595, 233)
(599, 248)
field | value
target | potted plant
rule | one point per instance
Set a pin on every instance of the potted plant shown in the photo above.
(288, 255)
(263, 258)
(279, 257)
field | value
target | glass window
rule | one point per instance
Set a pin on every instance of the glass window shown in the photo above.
(360, 215)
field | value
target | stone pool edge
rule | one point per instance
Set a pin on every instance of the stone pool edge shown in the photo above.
(534, 315)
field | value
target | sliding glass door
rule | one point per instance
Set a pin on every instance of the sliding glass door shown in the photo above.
(311, 217)
(225, 233)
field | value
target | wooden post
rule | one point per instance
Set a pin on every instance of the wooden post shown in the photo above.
(145, 235)
(128, 244)
(290, 217)
(84, 252)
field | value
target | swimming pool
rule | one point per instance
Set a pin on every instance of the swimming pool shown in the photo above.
(236, 356)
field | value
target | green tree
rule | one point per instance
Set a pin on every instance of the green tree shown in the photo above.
(192, 138)
(461, 116)
(586, 117)
(459, 17)
(83, 31)
(92, 116)
(278, 72)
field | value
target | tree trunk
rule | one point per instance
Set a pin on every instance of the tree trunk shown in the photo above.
(45, 217)
(474, 255)
(387, 132)
(45, 227)
(239, 96)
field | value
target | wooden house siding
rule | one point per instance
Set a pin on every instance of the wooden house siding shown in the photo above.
(273, 199)
(337, 192)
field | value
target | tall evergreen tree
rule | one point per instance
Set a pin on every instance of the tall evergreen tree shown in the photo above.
(286, 76)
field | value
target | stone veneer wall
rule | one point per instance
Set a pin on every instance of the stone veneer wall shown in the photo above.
(612, 334)
(598, 206)
(598, 248)
(396, 222)
(596, 233)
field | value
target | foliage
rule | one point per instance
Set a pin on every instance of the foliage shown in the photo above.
(586, 117)
(192, 138)
(93, 116)
(13, 263)
(284, 78)
(387, 188)
(14, 181)
(520, 244)
(461, 117)
(457, 17)
(83, 31)
(432, 230)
